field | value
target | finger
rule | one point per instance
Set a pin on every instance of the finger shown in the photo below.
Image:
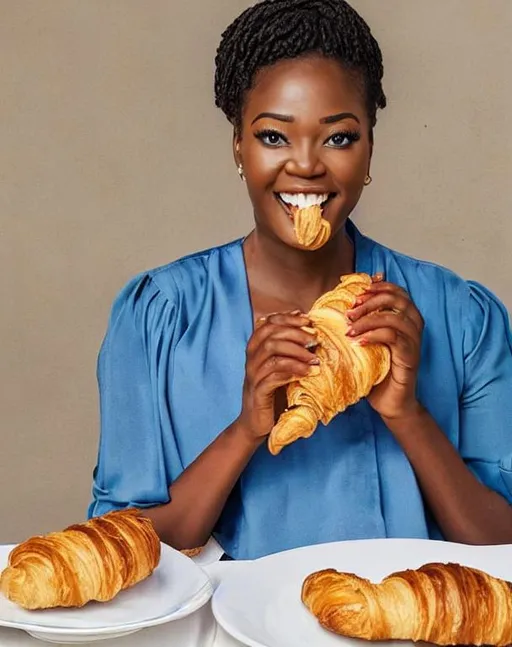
(267, 388)
(266, 318)
(385, 286)
(293, 332)
(398, 304)
(280, 319)
(378, 288)
(289, 319)
(404, 353)
(376, 320)
(283, 371)
(313, 343)
(379, 301)
(378, 278)
(273, 348)
(386, 336)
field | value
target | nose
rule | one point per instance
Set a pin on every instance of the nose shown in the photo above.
(305, 162)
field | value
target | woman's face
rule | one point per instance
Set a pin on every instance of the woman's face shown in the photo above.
(305, 129)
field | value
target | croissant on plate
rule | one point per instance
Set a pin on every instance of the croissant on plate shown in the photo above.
(445, 604)
(347, 371)
(192, 552)
(87, 561)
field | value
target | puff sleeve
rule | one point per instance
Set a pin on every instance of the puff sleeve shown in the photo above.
(133, 467)
(486, 401)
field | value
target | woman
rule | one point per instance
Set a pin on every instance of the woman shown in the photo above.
(190, 386)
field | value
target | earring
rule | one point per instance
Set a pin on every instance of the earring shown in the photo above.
(241, 172)
(367, 180)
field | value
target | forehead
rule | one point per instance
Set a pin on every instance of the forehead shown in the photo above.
(310, 86)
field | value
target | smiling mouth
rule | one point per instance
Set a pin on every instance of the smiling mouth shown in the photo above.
(293, 202)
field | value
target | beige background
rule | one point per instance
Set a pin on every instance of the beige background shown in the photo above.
(113, 159)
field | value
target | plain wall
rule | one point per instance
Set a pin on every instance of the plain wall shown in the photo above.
(114, 159)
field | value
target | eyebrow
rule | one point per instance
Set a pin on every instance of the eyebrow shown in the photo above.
(273, 115)
(331, 119)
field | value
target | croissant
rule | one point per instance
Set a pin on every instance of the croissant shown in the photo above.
(445, 604)
(192, 552)
(88, 561)
(312, 231)
(346, 374)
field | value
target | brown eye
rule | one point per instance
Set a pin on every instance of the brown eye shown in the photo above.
(342, 139)
(271, 138)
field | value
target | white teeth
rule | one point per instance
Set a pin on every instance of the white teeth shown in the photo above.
(303, 200)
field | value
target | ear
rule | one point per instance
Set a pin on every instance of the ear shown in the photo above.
(236, 147)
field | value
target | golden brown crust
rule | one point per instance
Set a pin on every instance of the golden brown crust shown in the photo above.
(192, 552)
(88, 561)
(312, 231)
(444, 604)
(347, 371)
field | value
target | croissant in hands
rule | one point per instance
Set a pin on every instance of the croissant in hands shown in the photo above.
(88, 561)
(347, 371)
(445, 604)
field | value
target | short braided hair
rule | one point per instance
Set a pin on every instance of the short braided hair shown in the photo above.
(273, 30)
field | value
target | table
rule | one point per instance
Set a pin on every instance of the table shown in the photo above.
(197, 630)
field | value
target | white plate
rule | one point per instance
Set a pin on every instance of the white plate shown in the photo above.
(175, 589)
(260, 605)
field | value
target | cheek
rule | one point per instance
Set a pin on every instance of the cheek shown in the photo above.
(261, 171)
(262, 165)
(348, 168)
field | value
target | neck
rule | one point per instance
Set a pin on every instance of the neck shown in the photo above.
(293, 275)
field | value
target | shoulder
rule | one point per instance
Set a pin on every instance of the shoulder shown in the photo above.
(431, 286)
(191, 269)
(438, 292)
(418, 274)
(469, 310)
(172, 280)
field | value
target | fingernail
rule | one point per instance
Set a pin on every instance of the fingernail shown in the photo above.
(358, 302)
(314, 362)
(362, 342)
(351, 332)
(310, 345)
(296, 312)
(350, 314)
(378, 277)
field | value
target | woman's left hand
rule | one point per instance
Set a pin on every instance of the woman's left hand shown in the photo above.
(400, 327)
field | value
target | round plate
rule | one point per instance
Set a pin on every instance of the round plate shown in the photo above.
(260, 605)
(176, 589)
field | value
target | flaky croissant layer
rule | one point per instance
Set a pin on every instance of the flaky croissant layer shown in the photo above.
(312, 231)
(444, 604)
(94, 560)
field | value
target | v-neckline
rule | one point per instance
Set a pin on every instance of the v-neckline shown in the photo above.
(362, 263)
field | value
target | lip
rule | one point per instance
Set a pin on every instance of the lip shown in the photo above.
(284, 206)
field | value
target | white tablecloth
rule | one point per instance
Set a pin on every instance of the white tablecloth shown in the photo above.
(197, 630)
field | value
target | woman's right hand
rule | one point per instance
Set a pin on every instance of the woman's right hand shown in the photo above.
(278, 352)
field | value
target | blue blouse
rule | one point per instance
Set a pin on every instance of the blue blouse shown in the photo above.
(170, 374)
